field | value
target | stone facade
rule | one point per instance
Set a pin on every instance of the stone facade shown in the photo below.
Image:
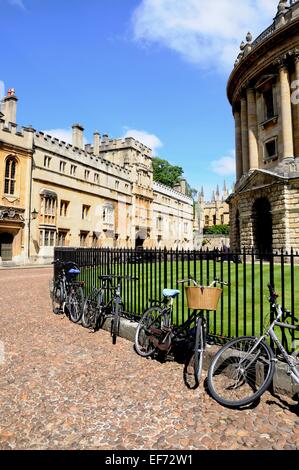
(263, 92)
(101, 195)
(216, 211)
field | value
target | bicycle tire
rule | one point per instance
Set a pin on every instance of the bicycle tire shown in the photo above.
(58, 298)
(75, 301)
(194, 361)
(152, 317)
(92, 309)
(116, 312)
(236, 369)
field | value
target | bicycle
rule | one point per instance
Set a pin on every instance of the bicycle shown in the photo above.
(243, 369)
(65, 291)
(95, 310)
(155, 332)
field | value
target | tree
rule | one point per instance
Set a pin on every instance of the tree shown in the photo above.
(165, 173)
(217, 230)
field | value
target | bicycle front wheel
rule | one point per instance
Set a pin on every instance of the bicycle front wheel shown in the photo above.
(241, 372)
(148, 328)
(194, 362)
(75, 303)
(116, 312)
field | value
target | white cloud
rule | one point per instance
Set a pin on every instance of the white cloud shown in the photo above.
(17, 3)
(150, 140)
(225, 166)
(62, 134)
(202, 32)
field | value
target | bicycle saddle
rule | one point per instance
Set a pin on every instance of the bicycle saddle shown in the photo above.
(173, 293)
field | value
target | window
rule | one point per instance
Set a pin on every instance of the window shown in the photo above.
(159, 223)
(86, 174)
(207, 220)
(62, 167)
(214, 220)
(108, 215)
(96, 178)
(73, 170)
(83, 239)
(271, 149)
(222, 220)
(61, 237)
(47, 237)
(64, 208)
(85, 212)
(269, 103)
(185, 227)
(47, 161)
(95, 240)
(116, 185)
(48, 210)
(10, 176)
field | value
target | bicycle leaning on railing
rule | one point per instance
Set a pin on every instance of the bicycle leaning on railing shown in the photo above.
(96, 308)
(66, 291)
(156, 333)
(243, 369)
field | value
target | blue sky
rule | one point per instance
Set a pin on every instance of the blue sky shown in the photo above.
(154, 69)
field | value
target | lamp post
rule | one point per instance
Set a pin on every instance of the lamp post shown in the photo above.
(32, 216)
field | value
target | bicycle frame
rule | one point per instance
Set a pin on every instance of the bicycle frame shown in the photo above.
(270, 333)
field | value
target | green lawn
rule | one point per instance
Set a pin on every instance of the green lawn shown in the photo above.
(248, 293)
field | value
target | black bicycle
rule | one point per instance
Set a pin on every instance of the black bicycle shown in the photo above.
(66, 291)
(155, 332)
(97, 308)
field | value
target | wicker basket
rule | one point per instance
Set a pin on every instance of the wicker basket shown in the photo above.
(203, 298)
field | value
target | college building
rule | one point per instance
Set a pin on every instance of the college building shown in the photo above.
(263, 90)
(53, 193)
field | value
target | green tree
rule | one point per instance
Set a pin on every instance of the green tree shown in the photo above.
(165, 173)
(217, 230)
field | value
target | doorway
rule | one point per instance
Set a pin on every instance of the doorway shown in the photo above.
(6, 240)
(262, 226)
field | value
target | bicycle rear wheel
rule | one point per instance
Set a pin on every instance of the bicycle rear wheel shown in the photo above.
(147, 330)
(93, 309)
(241, 372)
(75, 302)
(58, 298)
(194, 362)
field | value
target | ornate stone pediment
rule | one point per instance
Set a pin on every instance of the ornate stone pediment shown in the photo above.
(259, 179)
(10, 213)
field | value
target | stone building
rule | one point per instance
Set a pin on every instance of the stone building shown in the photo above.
(101, 195)
(263, 92)
(216, 211)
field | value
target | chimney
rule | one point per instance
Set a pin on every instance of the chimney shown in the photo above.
(78, 136)
(9, 106)
(96, 143)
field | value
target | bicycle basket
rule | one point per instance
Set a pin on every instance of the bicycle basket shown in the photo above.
(203, 298)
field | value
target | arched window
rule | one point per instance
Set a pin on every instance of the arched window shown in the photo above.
(10, 175)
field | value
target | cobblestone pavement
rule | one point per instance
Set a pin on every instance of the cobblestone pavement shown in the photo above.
(62, 387)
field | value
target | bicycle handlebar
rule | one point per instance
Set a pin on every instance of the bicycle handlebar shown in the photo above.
(106, 277)
(216, 281)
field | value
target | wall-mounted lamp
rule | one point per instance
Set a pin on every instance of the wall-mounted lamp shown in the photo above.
(34, 214)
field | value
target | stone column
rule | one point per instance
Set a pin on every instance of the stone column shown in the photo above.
(244, 136)
(252, 130)
(297, 88)
(286, 113)
(239, 162)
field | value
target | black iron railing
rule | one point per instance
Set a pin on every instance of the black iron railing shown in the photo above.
(243, 308)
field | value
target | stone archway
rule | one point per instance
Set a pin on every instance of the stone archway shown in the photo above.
(6, 241)
(262, 226)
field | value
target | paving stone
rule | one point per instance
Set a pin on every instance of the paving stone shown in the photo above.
(62, 387)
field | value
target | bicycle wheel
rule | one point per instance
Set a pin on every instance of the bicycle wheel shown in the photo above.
(241, 372)
(75, 303)
(115, 324)
(93, 309)
(58, 297)
(194, 362)
(149, 326)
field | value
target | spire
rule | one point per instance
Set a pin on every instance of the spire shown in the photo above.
(202, 192)
(213, 196)
(224, 187)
